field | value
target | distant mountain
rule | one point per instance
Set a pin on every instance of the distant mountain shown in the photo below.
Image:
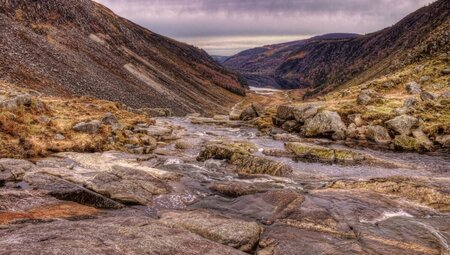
(258, 65)
(220, 59)
(324, 64)
(79, 47)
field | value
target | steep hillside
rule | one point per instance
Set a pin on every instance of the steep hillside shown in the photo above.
(258, 65)
(75, 47)
(325, 64)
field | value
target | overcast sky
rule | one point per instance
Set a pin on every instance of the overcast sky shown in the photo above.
(225, 27)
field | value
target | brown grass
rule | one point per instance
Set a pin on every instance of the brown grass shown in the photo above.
(29, 131)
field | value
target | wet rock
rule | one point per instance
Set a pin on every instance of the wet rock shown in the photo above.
(288, 240)
(326, 123)
(158, 131)
(413, 88)
(68, 191)
(367, 96)
(427, 96)
(305, 112)
(277, 153)
(221, 117)
(183, 144)
(250, 165)
(378, 134)
(225, 150)
(287, 138)
(238, 234)
(17, 205)
(114, 235)
(128, 185)
(312, 152)
(90, 163)
(316, 153)
(14, 169)
(91, 127)
(234, 189)
(409, 188)
(402, 124)
(410, 102)
(109, 119)
(444, 141)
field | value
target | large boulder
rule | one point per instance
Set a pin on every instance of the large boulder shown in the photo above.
(48, 180)
(235, 233)
(326, 123)
(378, 134)
(305, 112)
(116, 234)
(402, 124)
(128, 185)
(285, 112)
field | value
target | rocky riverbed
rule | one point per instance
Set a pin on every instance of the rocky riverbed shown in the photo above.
(221, 187)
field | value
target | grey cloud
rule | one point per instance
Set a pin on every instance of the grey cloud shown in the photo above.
(189, 19)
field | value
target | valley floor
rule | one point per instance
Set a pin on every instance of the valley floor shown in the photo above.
(221, 186)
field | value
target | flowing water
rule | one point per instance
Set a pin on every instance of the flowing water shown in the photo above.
(368, 220)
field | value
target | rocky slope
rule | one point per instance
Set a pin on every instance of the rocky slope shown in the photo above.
(325, 64)
(68, 48)
(259, 65)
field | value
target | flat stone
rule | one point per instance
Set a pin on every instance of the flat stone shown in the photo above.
(238, 234)
(110, 235)
(326, 123)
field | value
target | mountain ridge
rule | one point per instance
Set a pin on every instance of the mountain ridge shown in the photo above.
(324, 65)
(81, 48)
